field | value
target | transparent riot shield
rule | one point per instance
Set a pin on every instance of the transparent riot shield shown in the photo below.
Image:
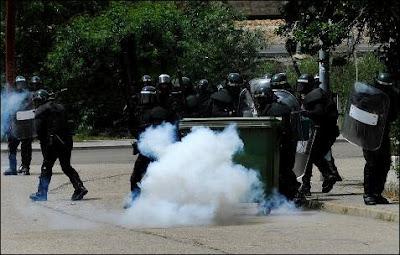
(246, 105)
(365, 117)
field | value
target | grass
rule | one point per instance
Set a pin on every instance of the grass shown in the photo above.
(84, 137)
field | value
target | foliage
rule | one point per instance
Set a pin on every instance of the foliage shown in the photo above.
(36, 23)
(86, 57)
(212, 45)
(330, 22)
(342, 77)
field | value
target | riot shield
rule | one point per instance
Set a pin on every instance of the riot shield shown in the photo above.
(23, 125)
(365, 117)
(303, 153)
(246, 104)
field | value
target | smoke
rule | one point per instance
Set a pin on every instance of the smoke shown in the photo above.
(11, 102)
(193, 181)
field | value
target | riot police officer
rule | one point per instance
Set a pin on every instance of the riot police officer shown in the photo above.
(329, 157)
(146, 80)
(378, 161)
(269, 103)
(56, 142)
(14, 137)
(187, 87)
(199, 105)
(229, 101)
(279, 81)
(320, 108)
(177, 96)
(154, 109)
(36, 83)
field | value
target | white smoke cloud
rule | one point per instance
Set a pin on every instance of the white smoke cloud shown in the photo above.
(10, 103)
(193, 181)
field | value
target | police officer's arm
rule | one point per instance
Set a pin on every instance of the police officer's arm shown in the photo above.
(316, 112)
(40, 121)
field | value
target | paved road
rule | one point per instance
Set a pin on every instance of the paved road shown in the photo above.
(123, 156)
(92, 226)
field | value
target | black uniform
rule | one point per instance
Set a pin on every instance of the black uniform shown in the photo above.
(288, 184)
(321, 109)
(147, 116)
(228, 102)
(378, 162)
(26, 143)
(198, 106)
(56, 143)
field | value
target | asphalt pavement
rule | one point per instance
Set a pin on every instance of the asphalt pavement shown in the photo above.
(92, 226)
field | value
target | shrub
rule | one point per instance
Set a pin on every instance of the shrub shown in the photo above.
(199, 38)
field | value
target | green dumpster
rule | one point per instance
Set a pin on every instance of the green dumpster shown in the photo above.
(261, 143)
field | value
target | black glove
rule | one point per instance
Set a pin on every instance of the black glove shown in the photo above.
(135, 149)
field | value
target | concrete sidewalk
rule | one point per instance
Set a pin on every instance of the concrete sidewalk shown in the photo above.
(346, 197)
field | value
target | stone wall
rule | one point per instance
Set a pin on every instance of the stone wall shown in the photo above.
(258, 9)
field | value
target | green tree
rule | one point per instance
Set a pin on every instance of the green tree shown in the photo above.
(36, 23)
(199, 40)
(332, 22)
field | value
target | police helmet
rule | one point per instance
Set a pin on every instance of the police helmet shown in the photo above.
(35, 80)
(384, 79)
(263, 94)
(146, 79)
(305, 83)
(20, 82)
(234, 80)
(279, 80)
(203, 86)
(164, 79)
(187, 84)
(186, 81)
(148, 95)
(164, 85)
(40, 97)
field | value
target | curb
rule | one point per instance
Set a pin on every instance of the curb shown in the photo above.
(352, 210)
(119, 146)
(99, 147)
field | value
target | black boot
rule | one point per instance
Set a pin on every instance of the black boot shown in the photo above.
(79, 193)
(334, 170)
(369, 199)
(306, 189)
(23, 170)
(80, 190)
(328, 183)
(299, 199)
(379, 199)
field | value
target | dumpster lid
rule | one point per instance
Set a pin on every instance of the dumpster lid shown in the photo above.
(252, 122)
